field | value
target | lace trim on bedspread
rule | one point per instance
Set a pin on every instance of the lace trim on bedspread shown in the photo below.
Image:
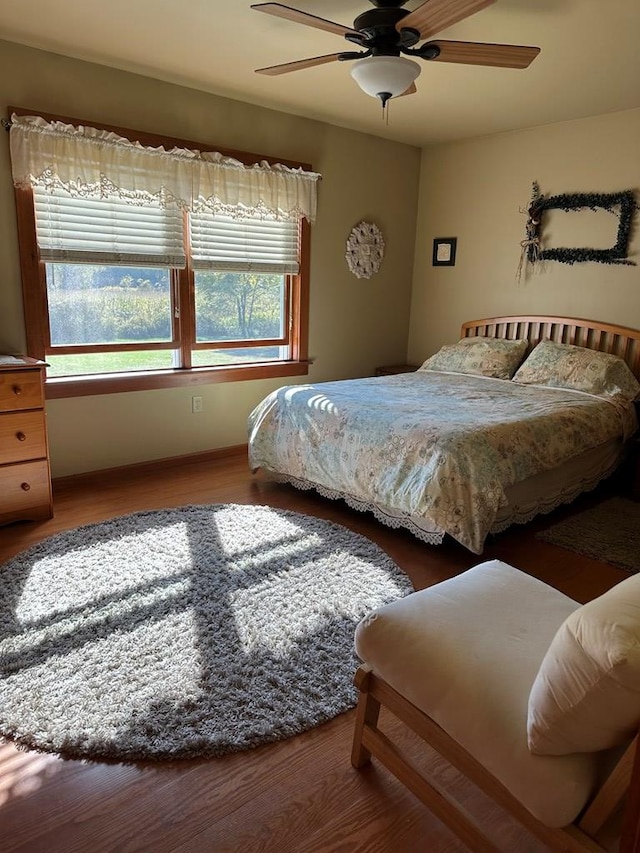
(545, 505)
(518, 515)
(431, 537)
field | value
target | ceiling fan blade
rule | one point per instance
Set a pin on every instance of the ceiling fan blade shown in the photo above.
(299, 17)
(298, 65)
(474, 53)
(436, 15)
(410, 91)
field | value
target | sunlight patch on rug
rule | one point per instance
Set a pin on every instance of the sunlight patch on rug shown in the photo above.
(187, 632)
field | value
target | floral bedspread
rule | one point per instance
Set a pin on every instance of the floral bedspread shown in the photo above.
(435, 446)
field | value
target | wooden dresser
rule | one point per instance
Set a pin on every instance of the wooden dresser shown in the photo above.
(25, 474)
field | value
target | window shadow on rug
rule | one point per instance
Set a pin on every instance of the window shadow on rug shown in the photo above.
(186, 632)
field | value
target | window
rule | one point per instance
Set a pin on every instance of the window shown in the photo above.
(241, 283)
(121, 295)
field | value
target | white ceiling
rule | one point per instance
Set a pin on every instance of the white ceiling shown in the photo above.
(589, 64)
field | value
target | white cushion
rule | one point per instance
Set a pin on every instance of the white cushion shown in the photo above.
(466, 652)
(586, 695)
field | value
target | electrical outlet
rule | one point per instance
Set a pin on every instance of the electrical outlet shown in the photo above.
(196, 405)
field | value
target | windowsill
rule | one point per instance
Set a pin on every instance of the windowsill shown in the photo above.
(116, 383)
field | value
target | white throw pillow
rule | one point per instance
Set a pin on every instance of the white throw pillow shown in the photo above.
(586, 696)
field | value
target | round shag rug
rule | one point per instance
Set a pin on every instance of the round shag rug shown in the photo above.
(186, 632)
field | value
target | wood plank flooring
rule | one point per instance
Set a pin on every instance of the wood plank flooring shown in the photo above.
(296, 795)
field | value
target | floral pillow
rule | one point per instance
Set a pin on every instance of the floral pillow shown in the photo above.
(480, 356)
(579, 369)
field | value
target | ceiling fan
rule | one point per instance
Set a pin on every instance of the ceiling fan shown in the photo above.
(387, 31)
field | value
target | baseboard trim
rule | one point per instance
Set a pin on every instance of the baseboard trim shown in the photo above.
(154, 465)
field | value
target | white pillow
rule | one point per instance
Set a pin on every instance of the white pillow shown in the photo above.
(586, 696)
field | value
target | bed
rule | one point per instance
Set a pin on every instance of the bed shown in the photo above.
(462, 450)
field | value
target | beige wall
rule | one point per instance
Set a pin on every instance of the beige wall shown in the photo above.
(355, 324)
(475, 191)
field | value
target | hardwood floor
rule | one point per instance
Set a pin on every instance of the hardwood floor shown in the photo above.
(296, 795)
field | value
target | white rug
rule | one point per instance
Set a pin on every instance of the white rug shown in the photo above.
(186, 632)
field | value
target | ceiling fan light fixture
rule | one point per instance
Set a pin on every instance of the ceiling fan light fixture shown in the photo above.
(385, 77)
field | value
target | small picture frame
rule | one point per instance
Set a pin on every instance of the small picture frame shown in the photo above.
(444, 251)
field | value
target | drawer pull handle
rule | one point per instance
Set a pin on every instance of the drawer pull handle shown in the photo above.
(17, 390)
(25, 487)
(21, 436)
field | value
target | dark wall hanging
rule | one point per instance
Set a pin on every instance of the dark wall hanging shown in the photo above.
(623, 204)
(444, 252)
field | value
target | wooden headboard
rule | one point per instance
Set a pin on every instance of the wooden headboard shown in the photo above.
(605, 337)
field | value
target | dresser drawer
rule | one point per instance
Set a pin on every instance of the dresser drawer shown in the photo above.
(20, 389)
(23, 488)
(22, 436)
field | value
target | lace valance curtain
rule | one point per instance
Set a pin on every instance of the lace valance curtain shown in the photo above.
(89, 162)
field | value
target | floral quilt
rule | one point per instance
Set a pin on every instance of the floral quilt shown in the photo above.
(438, 447)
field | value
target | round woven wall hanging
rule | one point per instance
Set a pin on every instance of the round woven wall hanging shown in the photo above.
(365, 250)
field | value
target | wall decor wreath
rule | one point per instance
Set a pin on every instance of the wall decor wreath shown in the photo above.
(622, 204)
(365, 250)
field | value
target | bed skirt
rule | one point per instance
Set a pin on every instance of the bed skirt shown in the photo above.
(525, 500)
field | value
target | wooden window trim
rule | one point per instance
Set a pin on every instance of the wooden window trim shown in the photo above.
(36, 312)
(116, 383)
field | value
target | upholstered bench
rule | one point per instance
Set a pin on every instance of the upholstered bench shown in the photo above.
(533, 696)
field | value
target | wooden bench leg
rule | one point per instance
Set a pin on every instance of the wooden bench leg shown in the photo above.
(367, 714)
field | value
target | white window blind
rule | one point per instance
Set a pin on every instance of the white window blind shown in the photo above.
(109, 231)
(244, 245)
